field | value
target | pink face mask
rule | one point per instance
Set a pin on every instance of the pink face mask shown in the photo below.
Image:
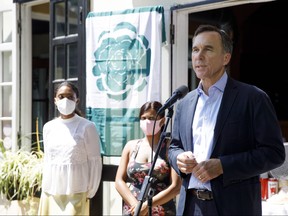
(147, 126)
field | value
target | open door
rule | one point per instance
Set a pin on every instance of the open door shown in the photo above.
(185, 19)
(255, 27)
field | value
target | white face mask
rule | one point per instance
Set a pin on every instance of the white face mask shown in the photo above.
(66, 106)
(147, 126)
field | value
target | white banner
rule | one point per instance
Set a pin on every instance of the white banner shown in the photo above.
(123, 70)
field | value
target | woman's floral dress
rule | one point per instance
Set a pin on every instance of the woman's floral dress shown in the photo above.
(162, 172)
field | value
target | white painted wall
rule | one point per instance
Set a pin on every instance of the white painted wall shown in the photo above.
(6, 5)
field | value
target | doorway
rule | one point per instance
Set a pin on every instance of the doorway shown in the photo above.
(259, 48)
(40, 68)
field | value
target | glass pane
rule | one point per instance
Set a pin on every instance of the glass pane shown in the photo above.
(72, 60)
(5, 133)
(7, 26)
(6, 100)
(59, 19)
(7, 67)
(39, 114)
(72, 16)
(59, 68)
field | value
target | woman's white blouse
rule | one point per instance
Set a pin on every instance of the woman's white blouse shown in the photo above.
(72, 160)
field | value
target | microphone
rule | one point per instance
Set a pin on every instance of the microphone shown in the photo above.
(177, 94)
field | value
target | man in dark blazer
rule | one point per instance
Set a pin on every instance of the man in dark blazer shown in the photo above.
(225, 134)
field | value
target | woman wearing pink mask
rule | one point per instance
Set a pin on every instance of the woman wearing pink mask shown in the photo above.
(136, 162)
(72, 160)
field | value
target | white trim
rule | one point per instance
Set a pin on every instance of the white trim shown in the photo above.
(6, 83)
(15, 79)
(217, 5)
(6, 118)
(26, 76)
(35, 2)
(180, 51)
(6, 46)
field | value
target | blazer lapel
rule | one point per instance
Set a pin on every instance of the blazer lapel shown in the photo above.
(191, 106)
(228, 99)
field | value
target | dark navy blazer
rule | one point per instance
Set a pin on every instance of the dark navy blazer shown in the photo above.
(247, 140)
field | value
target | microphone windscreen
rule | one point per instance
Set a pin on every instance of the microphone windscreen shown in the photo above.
(182, 91)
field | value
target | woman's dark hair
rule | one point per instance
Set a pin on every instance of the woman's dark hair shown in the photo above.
(70, 85)
(154, 105)
(74, 89)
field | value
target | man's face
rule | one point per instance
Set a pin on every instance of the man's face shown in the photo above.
(208, 56)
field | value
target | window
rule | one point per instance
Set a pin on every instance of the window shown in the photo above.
(67, 52)
(6, 87)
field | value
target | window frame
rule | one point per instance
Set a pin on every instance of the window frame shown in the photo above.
(79, 39)
(10, 46)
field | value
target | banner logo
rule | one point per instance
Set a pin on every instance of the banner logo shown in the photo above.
(122, 61)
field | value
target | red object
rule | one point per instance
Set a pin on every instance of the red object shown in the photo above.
(272, 186)
(264, 188)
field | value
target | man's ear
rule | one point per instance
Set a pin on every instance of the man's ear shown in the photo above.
(77, 101)
(227, 58)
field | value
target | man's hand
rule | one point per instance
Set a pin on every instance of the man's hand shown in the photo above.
(207, 170)
(186, 162)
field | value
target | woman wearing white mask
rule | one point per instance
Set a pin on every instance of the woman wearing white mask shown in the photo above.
(136, 162)
(72, 160)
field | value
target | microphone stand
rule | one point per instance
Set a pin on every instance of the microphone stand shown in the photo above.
(146, 190)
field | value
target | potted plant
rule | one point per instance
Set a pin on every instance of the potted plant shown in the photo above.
(21, 175)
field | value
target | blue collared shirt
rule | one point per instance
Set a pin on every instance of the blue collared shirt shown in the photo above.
(204, 123)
